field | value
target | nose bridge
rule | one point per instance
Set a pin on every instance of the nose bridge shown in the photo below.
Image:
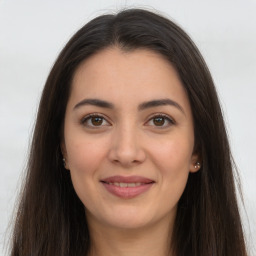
(126, 147)
(126, 138)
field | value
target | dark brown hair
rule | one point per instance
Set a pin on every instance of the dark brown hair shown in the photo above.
(51, 219)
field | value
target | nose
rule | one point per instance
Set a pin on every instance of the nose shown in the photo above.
(126, 147)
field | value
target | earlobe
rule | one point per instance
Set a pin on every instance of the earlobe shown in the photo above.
(64, 154)
(65, 163)
(195, 164)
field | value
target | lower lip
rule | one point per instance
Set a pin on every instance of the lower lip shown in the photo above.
(127, 192)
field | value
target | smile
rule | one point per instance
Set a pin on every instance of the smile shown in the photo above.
(127, 187)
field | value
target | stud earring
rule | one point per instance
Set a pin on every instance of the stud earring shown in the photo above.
(64, 162)
(197, 165)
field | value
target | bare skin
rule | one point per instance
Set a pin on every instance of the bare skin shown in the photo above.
(129, 116)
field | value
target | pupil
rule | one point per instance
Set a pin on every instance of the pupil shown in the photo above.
(97, 121)
(159, 121)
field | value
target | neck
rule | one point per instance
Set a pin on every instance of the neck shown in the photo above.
(151, 241)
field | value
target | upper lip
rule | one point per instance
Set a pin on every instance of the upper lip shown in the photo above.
(127, 179)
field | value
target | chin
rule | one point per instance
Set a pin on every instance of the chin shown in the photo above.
(130, 218)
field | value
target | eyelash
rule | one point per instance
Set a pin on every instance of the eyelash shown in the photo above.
(166, 118)
(90, 116)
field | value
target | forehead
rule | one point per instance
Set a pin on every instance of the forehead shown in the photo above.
(127, 77)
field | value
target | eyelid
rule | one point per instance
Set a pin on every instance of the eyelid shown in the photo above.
(167, 117)
(87, 117)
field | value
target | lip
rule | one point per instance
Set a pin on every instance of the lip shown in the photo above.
(127, 192)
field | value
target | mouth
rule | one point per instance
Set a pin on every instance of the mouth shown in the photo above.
(127, 187)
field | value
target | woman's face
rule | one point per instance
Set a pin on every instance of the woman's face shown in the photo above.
(128, 138)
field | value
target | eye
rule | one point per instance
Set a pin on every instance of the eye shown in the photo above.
(94, 120)
(161, 121)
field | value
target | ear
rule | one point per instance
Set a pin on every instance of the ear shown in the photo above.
(195, 163)
(64, 154)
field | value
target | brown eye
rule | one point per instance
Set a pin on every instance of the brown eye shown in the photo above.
(96, 120)
(159, 121)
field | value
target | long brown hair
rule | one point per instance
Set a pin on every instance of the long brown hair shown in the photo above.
(51, 219)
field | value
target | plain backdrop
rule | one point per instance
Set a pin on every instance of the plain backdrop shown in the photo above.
(32, 33)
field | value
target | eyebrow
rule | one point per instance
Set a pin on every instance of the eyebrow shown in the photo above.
(94, 102)
(160, 102)
(142, 106)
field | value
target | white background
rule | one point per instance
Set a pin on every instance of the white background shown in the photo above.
(33, 32)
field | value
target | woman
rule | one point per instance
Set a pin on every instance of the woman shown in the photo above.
(130, 154)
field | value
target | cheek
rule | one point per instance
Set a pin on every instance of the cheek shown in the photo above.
(83, 157)
(173, 159)
(84, 160)
(173, 155)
